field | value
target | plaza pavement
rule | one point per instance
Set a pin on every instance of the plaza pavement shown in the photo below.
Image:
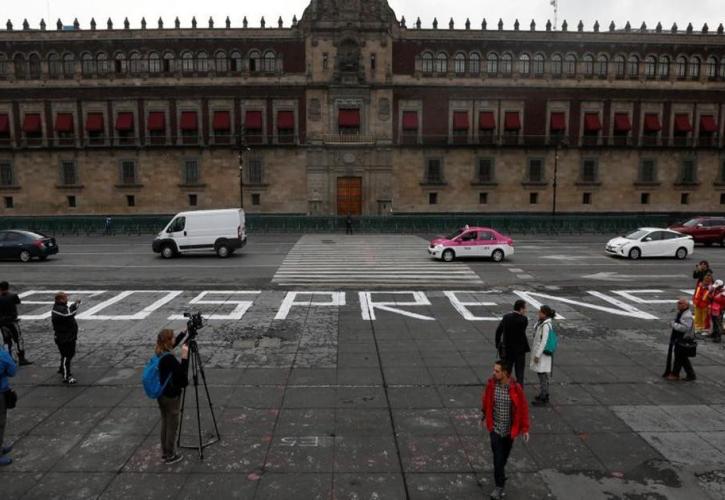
(328, 403)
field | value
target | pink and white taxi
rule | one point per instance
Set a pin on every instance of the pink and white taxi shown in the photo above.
(472, 242)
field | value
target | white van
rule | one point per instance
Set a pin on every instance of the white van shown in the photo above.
(222, 231)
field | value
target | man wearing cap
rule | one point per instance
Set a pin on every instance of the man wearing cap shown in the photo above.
(65, 328)
(717, 304)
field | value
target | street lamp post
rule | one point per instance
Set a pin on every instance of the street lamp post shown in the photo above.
(557, 146)
(556, 175)
(241, 178)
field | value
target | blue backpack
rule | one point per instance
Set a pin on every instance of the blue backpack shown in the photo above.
(552, 342)
(152, 377)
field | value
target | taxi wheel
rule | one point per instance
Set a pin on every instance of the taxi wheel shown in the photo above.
(497, 255)
(448, 256)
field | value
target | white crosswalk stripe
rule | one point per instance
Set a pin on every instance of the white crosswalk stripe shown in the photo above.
(374, 260)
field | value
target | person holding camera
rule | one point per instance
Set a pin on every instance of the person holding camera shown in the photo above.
(7, 370)
(173, 377)
(9, 322)
(65, 329)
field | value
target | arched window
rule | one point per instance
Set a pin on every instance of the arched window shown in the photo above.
(55, 68)
(459, 64)
(650, 67)
(21, 69)
(88, 64)
(441, 63)
(154, 62)
(681, 67)
(722, 68)
(492, 64)
(169, 62)
(235, 61)
(135, 64)
(19, 65)
(619, 66)
(711, 68)
(187, 62)
(270, 62)
(506, 64)
(539, 64)
(664, 67)
(474, 63)
(69, 64)
(255, 60)
(221, 62)
(588, 64)
(102, 63)
(120, 64)
(633, 66)
(34, 66)
(570, 65)
(524, 64)
(694, 68)
(601, 67)
(556, 65)
(202, 62)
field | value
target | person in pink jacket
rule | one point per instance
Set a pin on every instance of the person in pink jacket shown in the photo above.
(717, 306)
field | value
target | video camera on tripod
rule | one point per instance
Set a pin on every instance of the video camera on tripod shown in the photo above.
(193, 325)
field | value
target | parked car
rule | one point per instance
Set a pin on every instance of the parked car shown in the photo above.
(220, 231)
(472, 242)
(707, 230)
(651, 242)
(26, 245)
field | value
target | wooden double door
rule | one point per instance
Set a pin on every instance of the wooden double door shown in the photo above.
(349, 195)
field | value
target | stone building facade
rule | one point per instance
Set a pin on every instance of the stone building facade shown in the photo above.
(352, 110)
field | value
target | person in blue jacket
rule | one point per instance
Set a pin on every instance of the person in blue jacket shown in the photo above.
(7, 370)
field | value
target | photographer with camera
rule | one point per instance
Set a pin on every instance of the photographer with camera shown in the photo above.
(173, 378)
(65, 329)
(10, 324)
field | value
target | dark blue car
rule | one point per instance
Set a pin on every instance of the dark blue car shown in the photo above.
(26, 245)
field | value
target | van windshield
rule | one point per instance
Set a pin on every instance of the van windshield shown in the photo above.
(177, 225)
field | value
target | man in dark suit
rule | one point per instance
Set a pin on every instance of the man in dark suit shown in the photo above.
(511, 342)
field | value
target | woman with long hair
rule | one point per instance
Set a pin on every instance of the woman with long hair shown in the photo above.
(540, 361)
(173, 377)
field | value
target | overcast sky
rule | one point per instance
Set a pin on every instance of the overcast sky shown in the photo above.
(636, 11)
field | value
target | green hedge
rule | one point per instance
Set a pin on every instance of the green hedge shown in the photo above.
(409, 223)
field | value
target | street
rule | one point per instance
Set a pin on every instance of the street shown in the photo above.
(352, 367)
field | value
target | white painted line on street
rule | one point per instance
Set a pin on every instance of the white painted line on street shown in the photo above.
(516, 270)
(525, 276)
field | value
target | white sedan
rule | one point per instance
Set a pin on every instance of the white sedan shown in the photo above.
(651, 242)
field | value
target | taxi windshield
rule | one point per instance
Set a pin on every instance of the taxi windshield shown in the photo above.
(454, 235)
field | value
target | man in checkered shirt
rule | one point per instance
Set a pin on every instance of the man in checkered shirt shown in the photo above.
(506, 415)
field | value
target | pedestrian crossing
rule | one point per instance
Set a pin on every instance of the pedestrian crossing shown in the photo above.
(373, 260)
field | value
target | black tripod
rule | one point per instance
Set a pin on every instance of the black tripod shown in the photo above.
(197, 368)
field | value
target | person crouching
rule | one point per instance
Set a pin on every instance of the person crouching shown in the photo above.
(65, 329)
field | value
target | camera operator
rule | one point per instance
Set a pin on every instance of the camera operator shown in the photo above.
(169, 403)
(65, 329)
(9, 322)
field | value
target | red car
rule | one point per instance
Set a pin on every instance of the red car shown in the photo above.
(707, 230)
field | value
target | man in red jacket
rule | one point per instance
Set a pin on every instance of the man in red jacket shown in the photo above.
(506, 414)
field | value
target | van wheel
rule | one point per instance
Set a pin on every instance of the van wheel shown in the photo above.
(222, 251)
(168, 252)
(448, 256)
(681, 253)
(497, 255)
